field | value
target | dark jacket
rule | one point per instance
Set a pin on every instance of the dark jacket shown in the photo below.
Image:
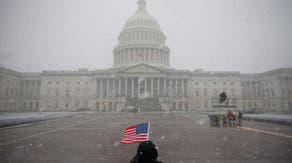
(135, 160)
(147, 152)
(239, 115)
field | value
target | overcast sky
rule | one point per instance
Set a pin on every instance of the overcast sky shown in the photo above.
(214, 35)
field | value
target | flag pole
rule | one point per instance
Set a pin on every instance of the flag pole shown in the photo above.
(148, 131)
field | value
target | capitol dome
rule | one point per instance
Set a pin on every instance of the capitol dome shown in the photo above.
(141, 41)
(141, 19)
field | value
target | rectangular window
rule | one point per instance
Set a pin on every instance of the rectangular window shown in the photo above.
(198, 104)
(30, 105)
(273, 92)
(98, 88)
(206, 92)
(36, 105)
(5, 104)
(197, 93)
(97, 105)
(24, 105)
(57, 92)
(67, 93)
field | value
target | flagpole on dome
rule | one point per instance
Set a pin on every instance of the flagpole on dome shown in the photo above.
(148, 130)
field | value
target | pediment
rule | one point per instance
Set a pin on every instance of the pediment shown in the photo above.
(143, 68)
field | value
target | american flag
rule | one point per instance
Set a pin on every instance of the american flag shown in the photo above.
(136, 134)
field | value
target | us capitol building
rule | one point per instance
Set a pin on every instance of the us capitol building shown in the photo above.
(142, 77)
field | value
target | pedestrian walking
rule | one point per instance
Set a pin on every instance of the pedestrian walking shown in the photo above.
(239, 118)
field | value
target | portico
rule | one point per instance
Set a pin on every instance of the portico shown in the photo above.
(142, 82)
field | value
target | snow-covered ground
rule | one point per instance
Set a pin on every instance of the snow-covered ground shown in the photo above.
(10, 116)
(270, 116)
(12, 119)
(266, 116)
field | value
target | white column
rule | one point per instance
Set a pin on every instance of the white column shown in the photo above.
(165, 57)
(101, 87)
(114, 87)
(107, 87)
(122, 57)
(134, 55)
(126, 55)
(126, 86)
(120, 89)
(176, 88)
(152, 92)
(158, 87)
(164, 86)
(151, 55)
(161, 56)
(145, 85)
(183, 88)
(170, 91)
(147, 54)
(158, 56)
(133, 87)
(115, 60)
(142, 55)
(138, 87)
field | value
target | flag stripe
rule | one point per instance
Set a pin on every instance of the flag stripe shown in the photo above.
(136, 134)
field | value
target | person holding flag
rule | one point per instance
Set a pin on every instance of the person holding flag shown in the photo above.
(136, 134)
(147, 151)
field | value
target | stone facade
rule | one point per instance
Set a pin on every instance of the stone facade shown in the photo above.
(19, 91)
(141, 77)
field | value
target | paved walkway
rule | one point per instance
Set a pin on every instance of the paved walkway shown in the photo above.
(9, 116)
(13, 119)
(181, 138)
(271, 116)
